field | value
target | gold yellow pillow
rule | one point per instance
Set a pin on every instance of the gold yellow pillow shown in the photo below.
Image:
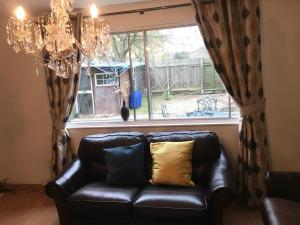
(172, 163)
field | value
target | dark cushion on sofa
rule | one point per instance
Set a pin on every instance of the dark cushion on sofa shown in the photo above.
(170, 203)
(206, 149)
(95, 198)
(280, 211)
(125, 165)
(91, 150)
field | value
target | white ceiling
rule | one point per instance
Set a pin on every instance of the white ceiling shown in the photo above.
(7, 7)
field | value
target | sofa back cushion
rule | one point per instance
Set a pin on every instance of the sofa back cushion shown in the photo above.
(284, 185)
(206, 150)
(125, 165)
(91, 150)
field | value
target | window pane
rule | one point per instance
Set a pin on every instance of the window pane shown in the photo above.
(183, 81)
(85, 81)
(235, 111)
(85, 104)
(106, 79)
(84, 101)
(109, 77)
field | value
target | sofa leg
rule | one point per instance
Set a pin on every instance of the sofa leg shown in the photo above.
(219, 201)
(62, 214)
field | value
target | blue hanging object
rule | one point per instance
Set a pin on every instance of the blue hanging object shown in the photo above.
(135, 99)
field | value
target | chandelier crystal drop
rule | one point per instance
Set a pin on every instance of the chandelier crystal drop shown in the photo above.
(54, 34)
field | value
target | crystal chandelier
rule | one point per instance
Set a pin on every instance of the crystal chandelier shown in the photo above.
(54, 34)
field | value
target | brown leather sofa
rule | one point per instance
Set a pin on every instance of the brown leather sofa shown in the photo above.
(82, 196)
(282, 206)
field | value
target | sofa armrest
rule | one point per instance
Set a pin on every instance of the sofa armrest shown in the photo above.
(67, 183)
(284, 185)
(221, 188)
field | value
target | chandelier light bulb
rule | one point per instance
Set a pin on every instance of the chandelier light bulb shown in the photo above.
(94, 11)
(20, 13)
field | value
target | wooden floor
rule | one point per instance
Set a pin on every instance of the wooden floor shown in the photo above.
(24, 208)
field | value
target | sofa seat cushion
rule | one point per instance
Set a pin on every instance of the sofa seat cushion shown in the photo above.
(278, 211)
(170, 203)
(102, 199)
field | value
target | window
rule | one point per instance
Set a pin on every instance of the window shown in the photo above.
(159, 74)
(105, 79)
(84, 105)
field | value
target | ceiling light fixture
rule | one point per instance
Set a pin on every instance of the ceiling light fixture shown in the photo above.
(55, 34)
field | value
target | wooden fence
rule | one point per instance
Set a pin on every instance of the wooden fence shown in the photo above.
(181, 75)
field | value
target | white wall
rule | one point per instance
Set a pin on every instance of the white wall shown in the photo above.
(25, 134)
(25, 121)
(281, 62)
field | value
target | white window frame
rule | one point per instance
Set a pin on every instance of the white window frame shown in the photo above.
(102, 74)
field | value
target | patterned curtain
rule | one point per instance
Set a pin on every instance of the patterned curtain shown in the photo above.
(231, 33)
(62, 94)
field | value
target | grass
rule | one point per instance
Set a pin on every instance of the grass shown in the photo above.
(156, 99)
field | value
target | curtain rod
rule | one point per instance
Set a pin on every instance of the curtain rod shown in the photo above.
(142, 11)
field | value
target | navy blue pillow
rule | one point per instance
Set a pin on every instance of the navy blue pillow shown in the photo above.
(125, 165)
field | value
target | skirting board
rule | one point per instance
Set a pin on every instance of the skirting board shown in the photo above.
(25, 187)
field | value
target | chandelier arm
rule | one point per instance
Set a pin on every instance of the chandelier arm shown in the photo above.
(82, 50)
(9, 28)
(12, 20)
(78, 44)
(39, 60)
(31, 52)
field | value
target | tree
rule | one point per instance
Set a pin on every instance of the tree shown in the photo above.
(120, 49)
(160, 61)
(181, 55)
(163, 79)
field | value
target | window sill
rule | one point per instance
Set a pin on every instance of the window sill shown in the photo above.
(153, 123)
